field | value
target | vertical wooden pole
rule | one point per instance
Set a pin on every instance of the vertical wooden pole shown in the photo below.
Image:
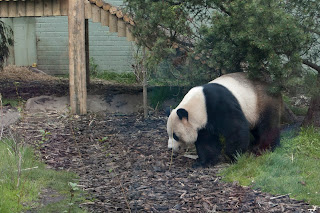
(77, 67)
(144, 84)
(87, 51)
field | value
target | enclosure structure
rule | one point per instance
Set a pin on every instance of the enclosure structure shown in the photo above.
(77, 11)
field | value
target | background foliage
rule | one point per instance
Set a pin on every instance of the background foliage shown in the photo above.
(5, 42)
(270, 39)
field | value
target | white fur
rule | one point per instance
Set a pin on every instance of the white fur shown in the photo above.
(245, 93)
(187, 130)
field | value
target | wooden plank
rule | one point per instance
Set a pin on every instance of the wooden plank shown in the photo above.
(121, 28)
(13, 12)
(119, 14)
(4, 9)
(21, 8)
(106, 6)
(99, 3)
(29, 8)
(38, 5)
(56, 8)
(87, 10)
(113, 23)
(129, 35)
(47, 8)
(64, 7)
(77, 66)
(96, 14)
(104, 18)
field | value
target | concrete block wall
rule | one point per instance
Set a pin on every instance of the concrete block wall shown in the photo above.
(109, 51)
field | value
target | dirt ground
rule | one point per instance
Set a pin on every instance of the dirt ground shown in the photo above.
(124, 164)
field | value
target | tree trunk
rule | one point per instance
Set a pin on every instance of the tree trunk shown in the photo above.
(313, 115)
(144, 85)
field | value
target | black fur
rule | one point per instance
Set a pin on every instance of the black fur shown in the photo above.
(182, 113)
(227, 129)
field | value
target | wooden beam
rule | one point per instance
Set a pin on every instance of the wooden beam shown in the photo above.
(113, 22)
(77, 67)
(106, 6)
(30, 8)
(13, 9)
(38, 4)
(129, 35)
(87, 10)
(47, 8)
(99, 3)
(56, 8)
(21, 8)
(104, 18)
(64, 7)
(4, 9)
(96, 14)
(121, 28)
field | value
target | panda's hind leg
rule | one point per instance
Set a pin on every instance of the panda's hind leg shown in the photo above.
(266, 133)
(237, 142)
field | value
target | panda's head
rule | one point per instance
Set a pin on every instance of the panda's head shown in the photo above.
(187, 119)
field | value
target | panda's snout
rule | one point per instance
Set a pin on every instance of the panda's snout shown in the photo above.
(174, 145)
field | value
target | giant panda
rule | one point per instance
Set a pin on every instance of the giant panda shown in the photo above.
(231, 114)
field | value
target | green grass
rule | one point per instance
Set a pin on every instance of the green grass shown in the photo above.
(122, 78)
(11, 102)
(25, 196)
(291, 169)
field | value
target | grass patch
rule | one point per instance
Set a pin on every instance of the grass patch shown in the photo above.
(122, 78)
(11, 102)
(17, 198)
(291, 169)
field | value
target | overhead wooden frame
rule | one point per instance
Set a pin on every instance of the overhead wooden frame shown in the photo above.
(77, 11)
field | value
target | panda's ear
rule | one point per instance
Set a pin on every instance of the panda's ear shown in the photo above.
(182, 113)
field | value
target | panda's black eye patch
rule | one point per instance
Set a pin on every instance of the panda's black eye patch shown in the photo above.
(175, 137)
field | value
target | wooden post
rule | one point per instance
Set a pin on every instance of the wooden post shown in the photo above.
(144, 84)
(77, 67)
(87, 51)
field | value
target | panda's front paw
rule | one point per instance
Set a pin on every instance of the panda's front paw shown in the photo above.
(199, 164)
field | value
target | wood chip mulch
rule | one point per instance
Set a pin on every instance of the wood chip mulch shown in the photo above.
(124, 166)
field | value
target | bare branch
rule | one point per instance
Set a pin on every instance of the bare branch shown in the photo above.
(312, 65)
